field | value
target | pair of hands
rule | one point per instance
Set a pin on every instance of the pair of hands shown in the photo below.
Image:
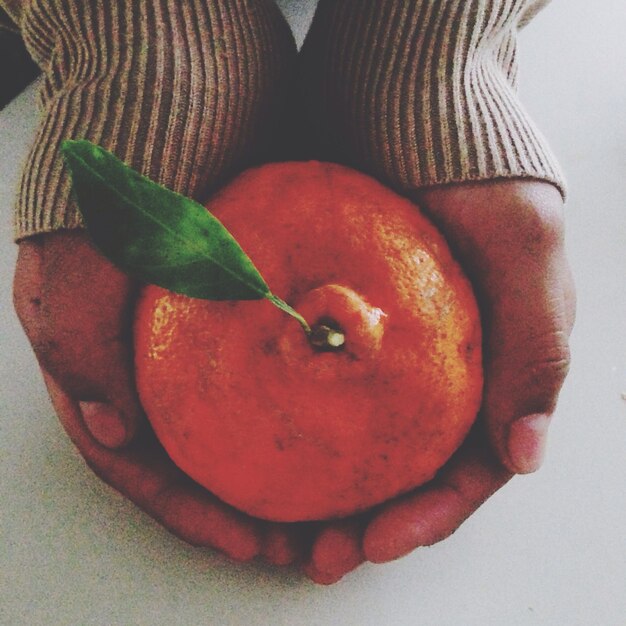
(76, 309)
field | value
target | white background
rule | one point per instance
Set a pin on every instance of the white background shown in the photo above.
(548, 549)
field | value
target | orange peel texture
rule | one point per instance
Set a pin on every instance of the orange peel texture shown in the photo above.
(248, 408)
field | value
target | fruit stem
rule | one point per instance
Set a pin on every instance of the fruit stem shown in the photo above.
(320, 336)
(326, 338)
(283, 306)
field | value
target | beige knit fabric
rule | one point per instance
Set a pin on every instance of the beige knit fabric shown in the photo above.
(422, 93)
(185, 92)
(417, 93)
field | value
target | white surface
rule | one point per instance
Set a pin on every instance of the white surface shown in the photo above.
(548, 549)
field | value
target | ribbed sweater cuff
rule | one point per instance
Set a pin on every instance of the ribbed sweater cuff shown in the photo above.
(182, 91)
(424, 93)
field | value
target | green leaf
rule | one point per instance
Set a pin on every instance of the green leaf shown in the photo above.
(157, 235)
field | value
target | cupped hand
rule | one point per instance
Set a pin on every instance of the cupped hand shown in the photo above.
(509, 237)
(76, 309)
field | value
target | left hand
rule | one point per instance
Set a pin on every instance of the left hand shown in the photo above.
(509, 237)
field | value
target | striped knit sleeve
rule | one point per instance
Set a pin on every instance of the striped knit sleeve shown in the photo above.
(183, 91)
(422, 93)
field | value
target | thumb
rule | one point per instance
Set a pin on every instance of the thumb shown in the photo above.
(75, 309)
(530, 316)
(509, 235)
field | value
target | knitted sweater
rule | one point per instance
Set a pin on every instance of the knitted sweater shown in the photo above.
(417, 93)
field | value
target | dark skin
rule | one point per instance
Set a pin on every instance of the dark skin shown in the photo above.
(76, 310)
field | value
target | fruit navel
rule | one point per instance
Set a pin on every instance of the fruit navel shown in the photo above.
(343, 319)
(327, 335)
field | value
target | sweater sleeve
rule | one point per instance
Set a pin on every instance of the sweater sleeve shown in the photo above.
(423, 93)
(182, 91)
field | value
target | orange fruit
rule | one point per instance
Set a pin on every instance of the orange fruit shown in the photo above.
(248, 407)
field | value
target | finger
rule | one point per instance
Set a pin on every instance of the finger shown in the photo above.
(530, 317)
(433, 513)
(145, 475)
(528, 360)
(336, 551)
(87, 321)
(108, 425)
(283, 544)
(77, 315)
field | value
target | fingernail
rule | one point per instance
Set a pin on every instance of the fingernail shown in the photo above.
(526, 442)
(104, 422)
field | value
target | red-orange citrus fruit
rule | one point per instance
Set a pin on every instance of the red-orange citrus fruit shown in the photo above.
(279, 428)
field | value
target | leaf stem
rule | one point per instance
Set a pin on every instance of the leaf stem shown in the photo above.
(283, 306)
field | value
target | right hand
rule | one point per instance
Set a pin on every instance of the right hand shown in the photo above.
(76, 309)
(509, 237)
